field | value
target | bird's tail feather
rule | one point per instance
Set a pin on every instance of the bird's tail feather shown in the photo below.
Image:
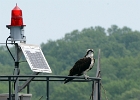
(67, 80)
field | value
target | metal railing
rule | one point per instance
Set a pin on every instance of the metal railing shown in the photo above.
(48, 79)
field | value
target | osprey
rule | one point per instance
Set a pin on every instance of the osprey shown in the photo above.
(82, 66)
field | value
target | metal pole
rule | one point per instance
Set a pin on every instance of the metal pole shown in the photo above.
(18, 54)
(16, 71)
(92, 90)
(47, 84)
(9, 78)
(95, 93)
(99, 90)
(28, 88)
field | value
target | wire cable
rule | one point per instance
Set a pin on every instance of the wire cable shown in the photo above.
(41, 97)
(104, 92)
(9, 49)
(91, 96)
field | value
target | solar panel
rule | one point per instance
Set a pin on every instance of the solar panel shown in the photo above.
(35, 58)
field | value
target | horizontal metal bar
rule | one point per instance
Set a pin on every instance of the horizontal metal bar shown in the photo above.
(7, 43)
(49, 80)
(50, 76)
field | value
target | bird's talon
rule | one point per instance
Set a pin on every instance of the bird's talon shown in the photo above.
(86, 77)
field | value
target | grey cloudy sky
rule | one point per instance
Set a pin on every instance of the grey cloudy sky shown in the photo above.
(52, 19)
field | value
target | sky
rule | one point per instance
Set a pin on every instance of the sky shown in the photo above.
(52, 19)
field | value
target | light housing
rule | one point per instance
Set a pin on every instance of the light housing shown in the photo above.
(16, 27)
(16, 17)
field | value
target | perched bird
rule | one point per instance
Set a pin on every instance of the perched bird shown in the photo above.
(82, 66)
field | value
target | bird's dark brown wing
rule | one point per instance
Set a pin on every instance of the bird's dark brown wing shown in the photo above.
(80, 66)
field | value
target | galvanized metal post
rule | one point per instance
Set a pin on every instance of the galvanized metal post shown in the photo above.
(47, 84)
(9, 79)
(99, 92)
(18, 54)
(16, 71)
(96, 89)
(28, 88)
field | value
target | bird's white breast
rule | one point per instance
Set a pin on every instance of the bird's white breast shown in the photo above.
(92, 62)
(91, 65)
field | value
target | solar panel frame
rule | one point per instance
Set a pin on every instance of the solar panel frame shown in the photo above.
(35, 58)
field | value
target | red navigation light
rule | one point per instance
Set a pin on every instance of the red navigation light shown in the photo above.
(16, 17)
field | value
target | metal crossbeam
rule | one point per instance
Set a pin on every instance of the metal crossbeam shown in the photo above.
(27, 82)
